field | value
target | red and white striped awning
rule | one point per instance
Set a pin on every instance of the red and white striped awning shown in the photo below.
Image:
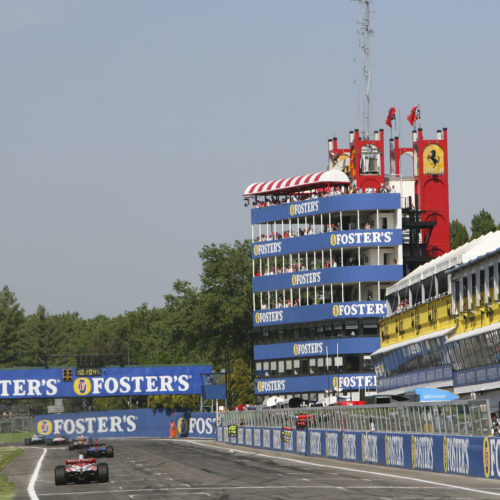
(298, 183)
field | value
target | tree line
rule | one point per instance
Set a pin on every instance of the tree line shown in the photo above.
(208, 324)
(481, 223)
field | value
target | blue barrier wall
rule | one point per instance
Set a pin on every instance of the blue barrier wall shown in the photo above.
(464, 455)
(127, 423)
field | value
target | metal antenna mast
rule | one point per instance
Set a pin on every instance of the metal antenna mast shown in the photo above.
(365, 31)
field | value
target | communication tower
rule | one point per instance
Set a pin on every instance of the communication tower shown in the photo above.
(365, 31)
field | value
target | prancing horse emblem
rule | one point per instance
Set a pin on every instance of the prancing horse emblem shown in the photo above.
(433, 157)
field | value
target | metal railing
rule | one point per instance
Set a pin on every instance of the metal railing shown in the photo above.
(462, 417)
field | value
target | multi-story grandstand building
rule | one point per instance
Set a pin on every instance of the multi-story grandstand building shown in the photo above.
(326, 247)
(443, 325)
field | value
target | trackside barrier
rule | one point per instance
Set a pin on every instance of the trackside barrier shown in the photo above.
(464, 455)
(128, 423)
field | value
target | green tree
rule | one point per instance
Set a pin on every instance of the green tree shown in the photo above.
(226, 300)
(458, 234)
(11, 318)
(482, 223)
(241, 387)
(114, 403)
(174, 402)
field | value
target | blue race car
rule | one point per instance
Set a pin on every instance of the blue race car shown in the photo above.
(96, 450)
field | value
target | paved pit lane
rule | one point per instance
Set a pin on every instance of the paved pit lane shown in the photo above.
(162, 468)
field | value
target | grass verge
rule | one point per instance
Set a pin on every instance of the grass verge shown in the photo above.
(14, 437)
(7, 454)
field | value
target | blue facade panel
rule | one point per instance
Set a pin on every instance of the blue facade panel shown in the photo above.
(320, 312)
(336, 239)
(480, 375)
(417, 377)
(330, 347)
(351, 274)
(361, 201)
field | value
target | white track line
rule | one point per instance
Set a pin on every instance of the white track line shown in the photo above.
(350, 469)
(34, 476)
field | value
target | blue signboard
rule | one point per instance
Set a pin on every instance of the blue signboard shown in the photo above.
(350, 274)
(316, 383)
(127, 423)
(330, 347)
(114, 381)
(361, 201)
(319, 312)
(322, 241)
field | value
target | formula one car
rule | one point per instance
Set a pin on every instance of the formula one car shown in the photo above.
(97, 450)
(35, 439)
(57, 440)
(81, 471)
(80, 443)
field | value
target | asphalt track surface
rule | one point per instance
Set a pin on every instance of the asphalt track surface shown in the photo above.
(179, 468)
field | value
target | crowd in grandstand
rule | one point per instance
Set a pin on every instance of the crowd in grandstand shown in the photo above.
(318, 229)
(272, 200)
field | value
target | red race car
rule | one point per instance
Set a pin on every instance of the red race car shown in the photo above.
(82, 470)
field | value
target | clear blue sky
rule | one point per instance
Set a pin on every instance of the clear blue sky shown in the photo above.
(129, 130)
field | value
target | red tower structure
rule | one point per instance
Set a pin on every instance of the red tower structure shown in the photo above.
(430, 202)
(424, 194)
(431, 188)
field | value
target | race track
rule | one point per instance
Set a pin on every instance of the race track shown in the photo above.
(162, 468)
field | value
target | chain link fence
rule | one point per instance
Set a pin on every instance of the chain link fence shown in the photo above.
(17, 424)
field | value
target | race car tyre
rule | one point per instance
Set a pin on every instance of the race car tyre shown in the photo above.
(110, 452)
(71, 447)
(60, 475)
(102, 473)
(27, 442)
(49, 442)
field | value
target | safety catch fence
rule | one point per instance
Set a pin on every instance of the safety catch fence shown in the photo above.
(460, 417)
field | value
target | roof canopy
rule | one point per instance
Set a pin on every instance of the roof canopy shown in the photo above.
(464, 254)
(298, 183)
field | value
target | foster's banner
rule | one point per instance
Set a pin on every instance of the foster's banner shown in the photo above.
(127, 423)
(315, 383)
(358, 201)
(131, 380)
(325, 241)
(326, 276)
(461, 455)
(320, 312)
